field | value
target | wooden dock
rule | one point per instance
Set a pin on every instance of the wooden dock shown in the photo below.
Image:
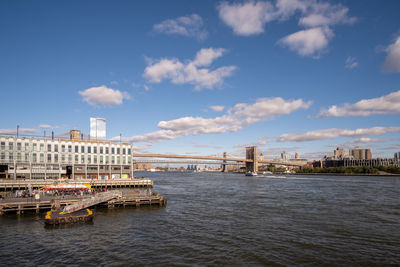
(31, 205)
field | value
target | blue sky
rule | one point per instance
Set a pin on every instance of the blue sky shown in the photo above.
(203, 77)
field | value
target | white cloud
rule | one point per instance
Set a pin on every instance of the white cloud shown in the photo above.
(190, 26)
(246, 18)
(392, 61)
(217, 108)
(103, 95)
(336, 133)
(366, 140)
(308, 42)
(317, 17)
(325, 14)
(47, 126)
(387, 104)
(351, 63)
(191, 71)
(146, 88)
(236, 118)
(20, 131)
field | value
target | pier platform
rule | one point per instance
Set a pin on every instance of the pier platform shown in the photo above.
(22, 205)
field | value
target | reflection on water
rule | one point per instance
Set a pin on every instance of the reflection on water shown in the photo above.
(228, 219)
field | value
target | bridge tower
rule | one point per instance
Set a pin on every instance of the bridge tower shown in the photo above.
(224, 169)
(251, 154)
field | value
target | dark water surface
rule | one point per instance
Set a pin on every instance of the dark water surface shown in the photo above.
(226, 219)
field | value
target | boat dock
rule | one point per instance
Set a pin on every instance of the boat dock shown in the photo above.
(22, 205)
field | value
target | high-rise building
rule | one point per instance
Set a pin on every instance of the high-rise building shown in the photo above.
(397, 155)
(339, 153)
(284, 156)
(97, 128)
(358, 153)
(297, 156)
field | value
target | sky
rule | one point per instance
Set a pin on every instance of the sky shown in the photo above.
(206, 77)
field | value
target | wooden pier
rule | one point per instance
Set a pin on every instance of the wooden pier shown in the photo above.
(31, 205)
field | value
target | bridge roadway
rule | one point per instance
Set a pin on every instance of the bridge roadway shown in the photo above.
(293, 164)
(198, 162)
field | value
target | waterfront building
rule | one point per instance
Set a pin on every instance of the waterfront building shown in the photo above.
(339, 153)
(348, 162)
(360, 154)
(74, 158)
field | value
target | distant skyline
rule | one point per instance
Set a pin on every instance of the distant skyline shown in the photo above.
(206, 77)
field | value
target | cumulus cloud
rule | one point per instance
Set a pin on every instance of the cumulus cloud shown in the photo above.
(236, 118)
(392, 61)
(217, 108)
(336, 133)
(308, 42)
(192, 72)
(387, 104)
(20, 131)
(103, 95)
(316, 17)
(351, 63)
(189, 26)
(246, 18)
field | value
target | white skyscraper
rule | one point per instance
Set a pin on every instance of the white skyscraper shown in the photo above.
(97, 128)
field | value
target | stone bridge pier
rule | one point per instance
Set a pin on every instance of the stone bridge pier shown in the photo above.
(251, 154)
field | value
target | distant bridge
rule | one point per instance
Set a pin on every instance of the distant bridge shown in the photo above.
(202, 162)
(251, 161)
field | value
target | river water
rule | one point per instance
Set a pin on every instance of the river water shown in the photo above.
(226, 219)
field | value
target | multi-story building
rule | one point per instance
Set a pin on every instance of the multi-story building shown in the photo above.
(74, 158)
(362, 154)
(397, 155)
(339, 153)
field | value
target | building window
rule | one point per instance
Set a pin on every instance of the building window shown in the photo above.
(48, 148)
(34, 147)
(124, 151)
(10, 146)
(101, 160)
(129, 151)
(19, 156)
(70, 158)
(55, 148)
(41, 147)
(95, 159)
(118, 161)
(26, 157)
(76, 159)
(69, 148)
(82, 149)
(113, 160)
(89, 159)
(107, 160)
(107, 150)
(26, 146)
(112, 150)
(129, 160)
(95, 149)
(3, 145)
(62, 148)
(123, 160)
(83, 159)
(63, 158)
(118, 150)
(3, 156)
(101, 150)
(41, 157)
(76, 149)
(34, 158)
(55, 158)
(19, 146)
(89, 149)
(48, 157)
